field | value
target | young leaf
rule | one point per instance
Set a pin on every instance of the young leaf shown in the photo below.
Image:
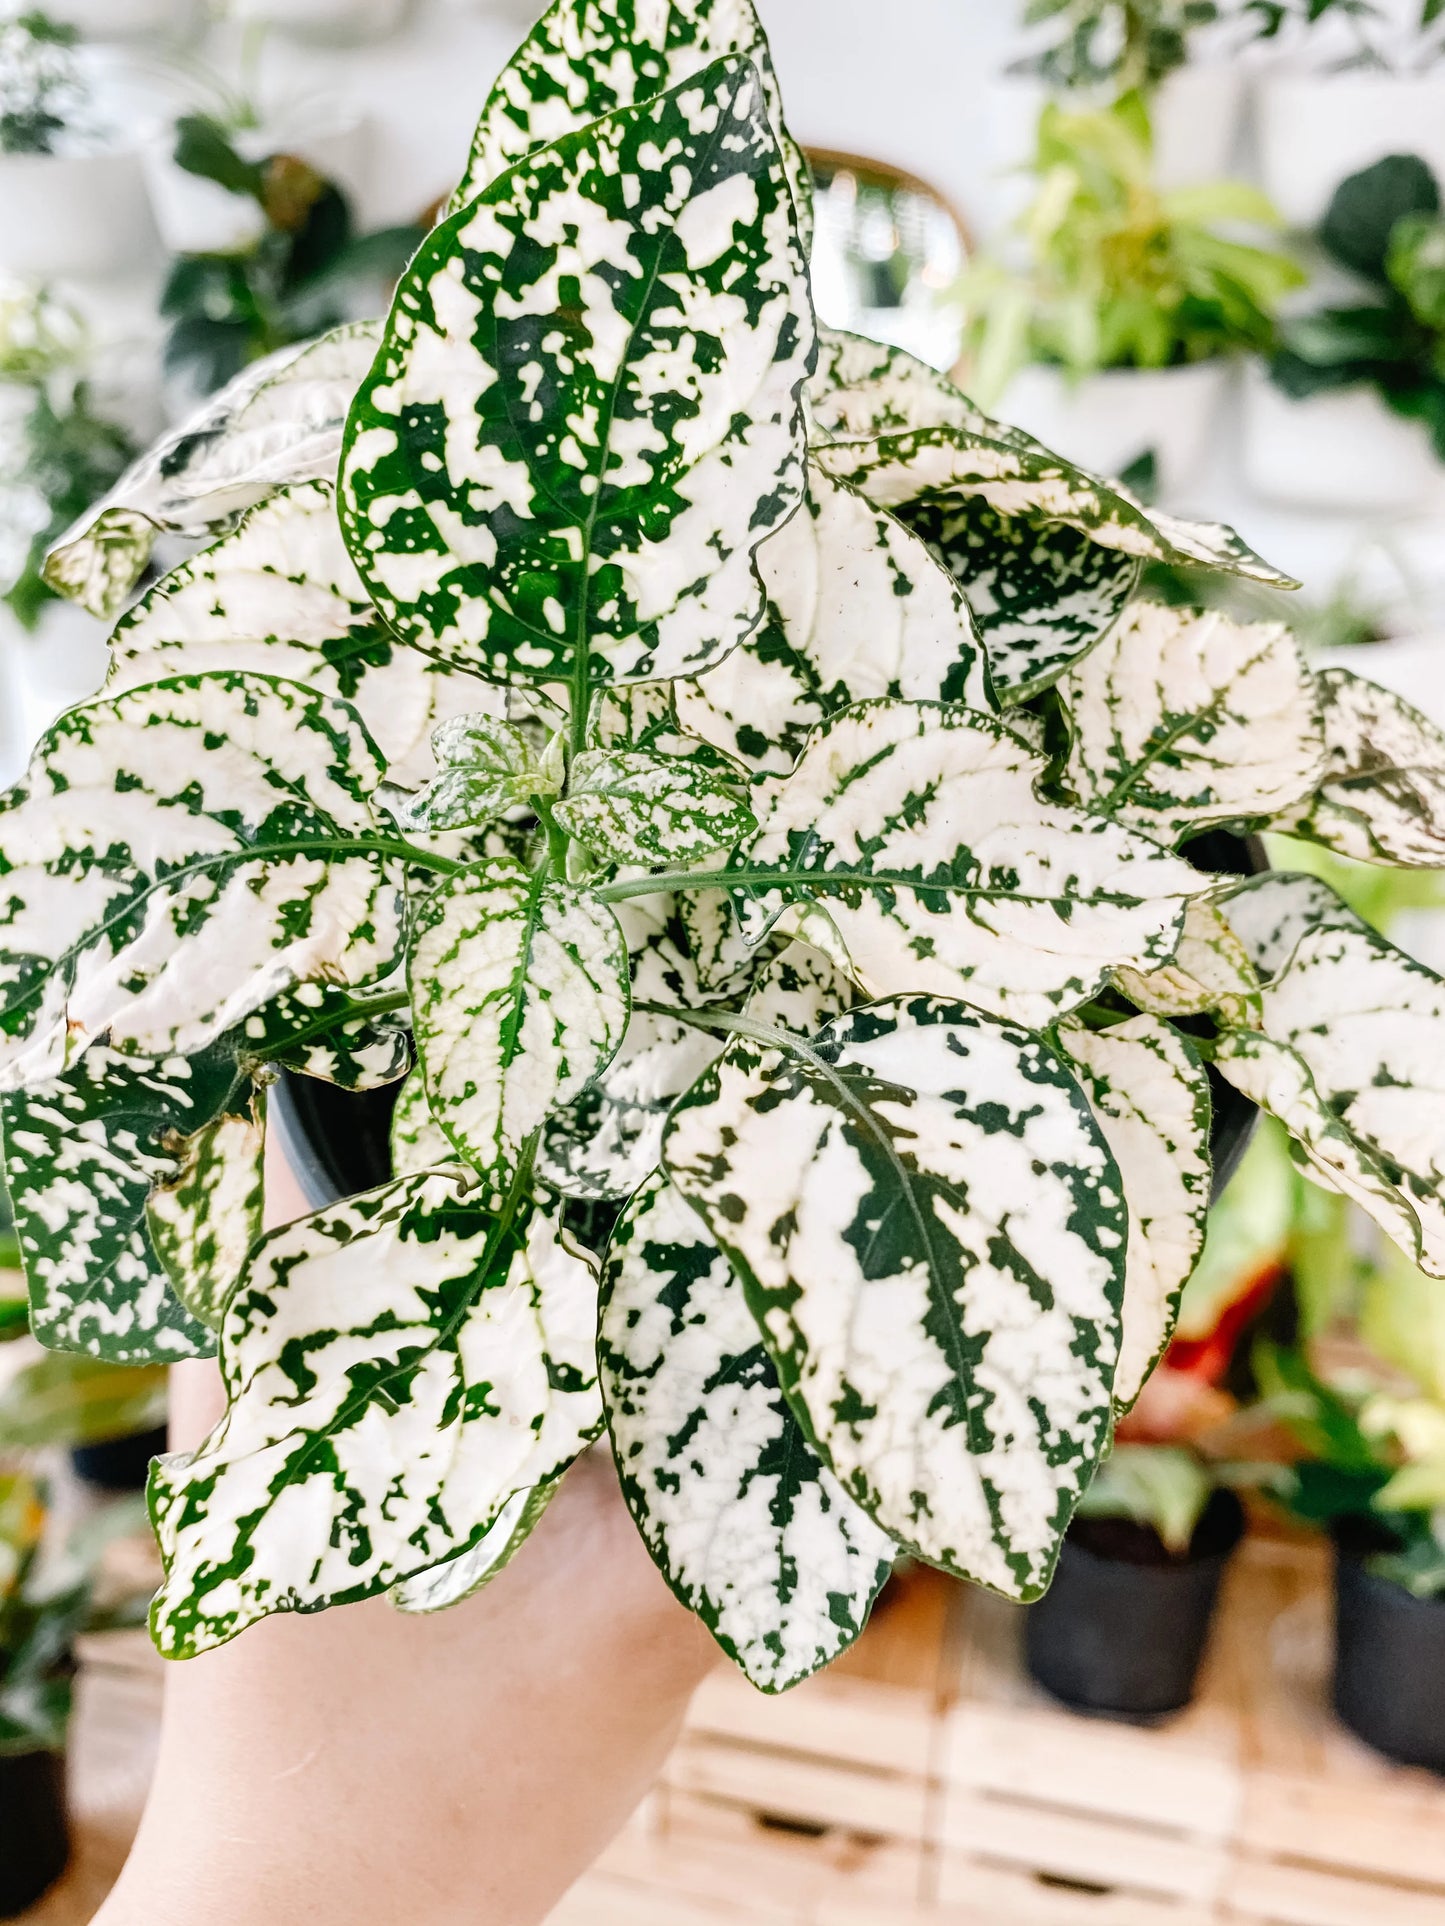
(486, 767)
(606, 531)
(856, 609)
(470, 1572)
(519, 991)
(930, 1232)
(178, 856)
(204, 1219)
(377, 1429)
(280, 597)
(317, 1031)
(1183, 719)
(1150, 1095)
(628, 806)
(279, 421)
(749, 1529)
(1382, 797)
(918, 830)
(588, 58)
(609, 1137)
(83, 1154)
(1211, 970)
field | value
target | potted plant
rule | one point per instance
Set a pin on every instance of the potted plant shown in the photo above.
(72, 198)
(1352, 415)
(1115, 335)
(600, 731)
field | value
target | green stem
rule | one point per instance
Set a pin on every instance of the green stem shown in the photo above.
(730, 1023)
(558, 841)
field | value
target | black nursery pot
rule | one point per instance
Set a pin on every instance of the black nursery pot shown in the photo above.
(1121, 1631)
(34, 1835)
(1389, 1685)
(119, 1464)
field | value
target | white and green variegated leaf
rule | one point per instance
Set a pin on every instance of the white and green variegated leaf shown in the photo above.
(83, 1154)
(1183, 719)
(643, 716)
(1017, 477)
(749, 1528)
(724, 960)
(1382, 796)
(1272, 913)
(862, 389)
(630, 806)
(317, 1031)
(280, 596)
(801, 990)
(460, 1578)
(1150, 1094)
(418, 1142)
(204, 1219)
(930, 1231)
(857, 609)
(520, 996)
(398, 1367)
(587, 58)
(919, 832)
(278, 421)
(604, 1142)
(606, 530)
(1042, 593)
(1212, 970)
(486, 767)
(176, 857)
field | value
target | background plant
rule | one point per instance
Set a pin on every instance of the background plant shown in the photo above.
(44, 93)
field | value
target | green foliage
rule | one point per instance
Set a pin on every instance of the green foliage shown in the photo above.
(1165, 1487)
(1129, 45)
(1119, 274)
(1385, 225)
(43, 93)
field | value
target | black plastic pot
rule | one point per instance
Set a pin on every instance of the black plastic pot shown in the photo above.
(34, 1834)
(1389, 1683)
(1122, 1630)
(120, 1464)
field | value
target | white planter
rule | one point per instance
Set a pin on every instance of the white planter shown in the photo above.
(338, 21)
(1316, 129)
(1346, 451)
(130, 19)
(1108, 420)
(196, 216)
(74, 214)
(62, 663)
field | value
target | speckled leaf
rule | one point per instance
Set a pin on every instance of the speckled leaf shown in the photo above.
(82, 1156)
(486, 767)
(176, 857)
(398, 1367)
(1019, 478)
(1212, 970)
(1382, 798)
(609, 1137)
(930, 1231)
(628, 806)
(280, 596)
(1270, 914)
(1042, 593)
(918, 830)
(519, 998)
(460, 1578)
(1150, 1095)
(643, 715)
(801, 990)
(1183, 720)
(640, 288)
(862, 389)
(204, 1219)
(324, 1033)
(857, 608)
(749, 1529)
(418, 1142)
(587, 58)
(279, 421)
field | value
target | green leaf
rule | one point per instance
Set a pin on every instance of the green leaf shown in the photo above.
(373, 1432)
(82, 1155)
(919, 831)
(857, 608)
(1164, 1487)
(1211, 971)
(1183, 720)
(930, 1232)
(588, 58)
(460, 1578)
(1361, 217)
(178, 856)
(203, 148)
(1382, 797)
(749, 1529)
(69, 1401)
(663, 331)
(520, 997)
(281, 597)
(204, 1220)
(1150, 1095)
(486, 767)
(628, 806)
(279, 421)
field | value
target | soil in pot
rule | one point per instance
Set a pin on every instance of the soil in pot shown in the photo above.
(1389, 1684)
(34, 1835)
(1122, 1630)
